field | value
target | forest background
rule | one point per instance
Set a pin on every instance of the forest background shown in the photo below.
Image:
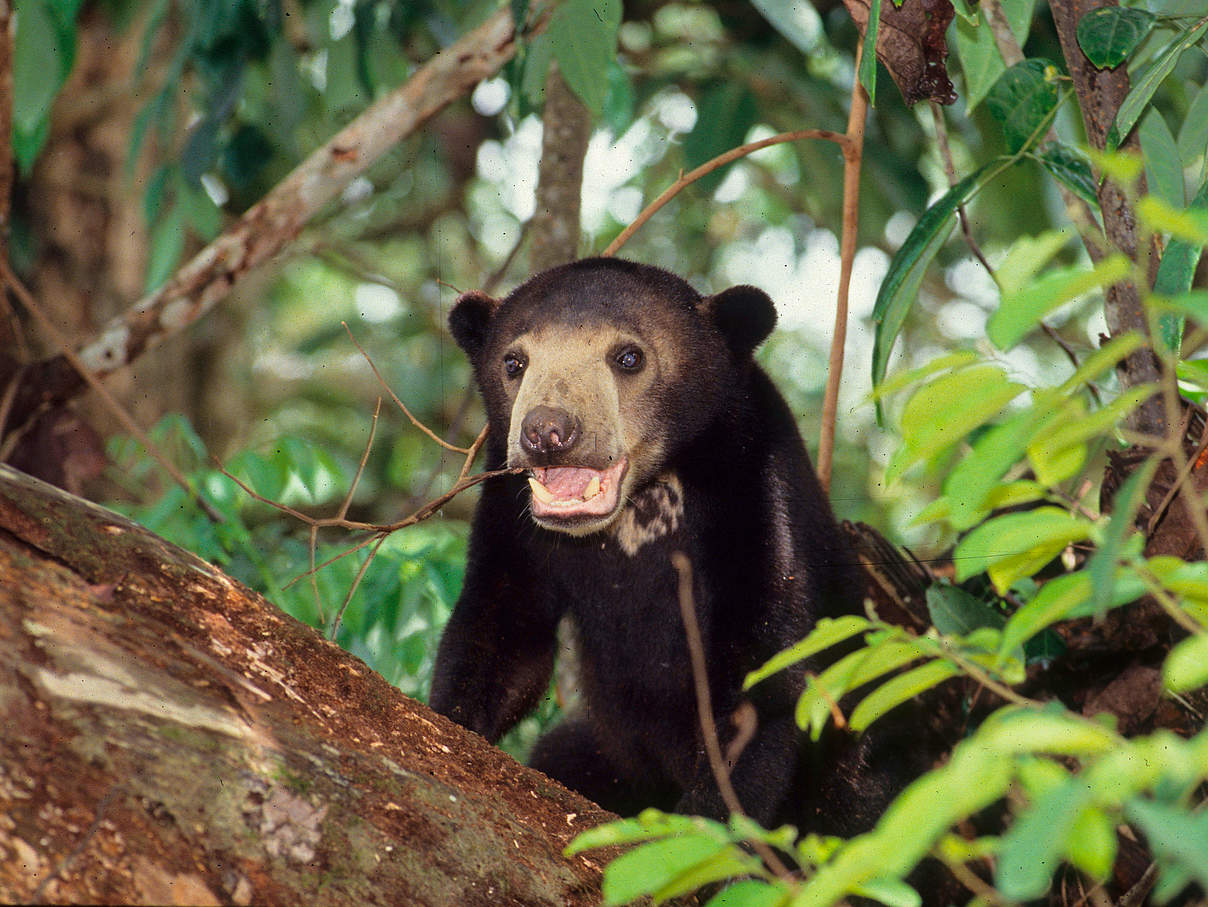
(141, 132)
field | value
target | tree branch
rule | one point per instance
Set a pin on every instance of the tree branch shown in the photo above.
(269, 225)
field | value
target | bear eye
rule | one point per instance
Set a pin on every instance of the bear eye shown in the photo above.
(629, 359)
(513, 365)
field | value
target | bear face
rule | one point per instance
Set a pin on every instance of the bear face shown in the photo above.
(587, 365)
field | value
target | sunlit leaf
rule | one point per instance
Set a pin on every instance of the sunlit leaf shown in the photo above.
(1177, 269)
(651, 824)
(1179, 838)
(942, 412)
(1190, 225)
(825, 634)
(1016, 545)
(1020, 311)
(1063, 597)
(655, 865)
(1186, 667)
(1034, 845)
(1102, 565)
(898, 690)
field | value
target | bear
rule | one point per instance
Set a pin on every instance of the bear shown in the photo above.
(645, 427)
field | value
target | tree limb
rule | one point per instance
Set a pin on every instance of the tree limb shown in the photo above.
(269, 225)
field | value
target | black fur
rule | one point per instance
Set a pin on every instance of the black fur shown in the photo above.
(768, 561)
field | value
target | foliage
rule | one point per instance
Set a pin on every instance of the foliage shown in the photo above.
(1011, 455)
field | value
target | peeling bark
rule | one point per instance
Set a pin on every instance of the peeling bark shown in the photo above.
(171, 737)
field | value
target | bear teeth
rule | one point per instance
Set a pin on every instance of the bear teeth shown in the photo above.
(593, 489)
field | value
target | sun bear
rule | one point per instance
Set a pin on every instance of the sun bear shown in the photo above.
(646, 427)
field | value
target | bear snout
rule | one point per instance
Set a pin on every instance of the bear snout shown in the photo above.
(547, 432)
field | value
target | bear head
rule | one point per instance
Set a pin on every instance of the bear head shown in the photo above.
(596, 373)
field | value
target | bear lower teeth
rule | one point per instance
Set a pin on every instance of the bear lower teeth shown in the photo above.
(545, 496)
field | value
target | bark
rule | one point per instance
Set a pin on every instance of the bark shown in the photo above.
(567, 130)
(170, 737)
(268, 226)
(1100, 93)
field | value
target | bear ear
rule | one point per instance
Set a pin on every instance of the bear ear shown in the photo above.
(745, 316)
(470, 320)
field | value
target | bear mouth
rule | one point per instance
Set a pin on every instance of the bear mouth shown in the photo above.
(573, 494)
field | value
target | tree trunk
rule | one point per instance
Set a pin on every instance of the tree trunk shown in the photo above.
(171, 737)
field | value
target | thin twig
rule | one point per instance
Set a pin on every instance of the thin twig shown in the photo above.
(686, 179)
(704, 705)
(401, 405)
(356, 581)
(853, 159)
(941, 141)
(109, 400)
(377, 410)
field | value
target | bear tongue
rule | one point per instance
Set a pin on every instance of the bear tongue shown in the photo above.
(569, 481)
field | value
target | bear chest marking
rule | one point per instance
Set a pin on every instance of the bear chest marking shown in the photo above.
(656, 511)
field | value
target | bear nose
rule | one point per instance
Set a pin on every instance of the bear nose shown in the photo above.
(548, 431)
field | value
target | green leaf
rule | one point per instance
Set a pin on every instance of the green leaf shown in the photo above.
(1178, 837)
(1022, 310)
(826, 633)
(1108, 36)
(1034, 845)
(955, 612)
(868, 57)
(167, 247)
(901, 285)
(1017, 730)
(650, 824)
(1058, 450)
(1063, 597)
(728, 864)
(962, 512)
(649, 867)
(749, 893)
(43, 55)
(1091, 844)
(1190, 225)
(1015, 545)
(901, 688)
(851, 672)
(1023, 100)
(726, 111)
(583, 34)
(889, 891)
(1186, 667)
(1193, 134)
(1027, 255)
(798, 23)
(1144, 86)
(981, 62)
(1176, 271)
(914, 375)
(971, 488)
(1072, 170)
(941, 413)
(1102, 565)
(1163, 166)
(536, 68)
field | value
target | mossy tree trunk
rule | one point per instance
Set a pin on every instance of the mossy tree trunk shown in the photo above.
(171, 737)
